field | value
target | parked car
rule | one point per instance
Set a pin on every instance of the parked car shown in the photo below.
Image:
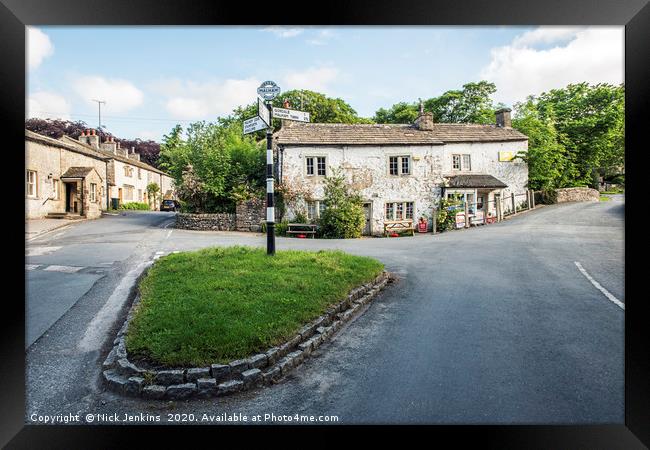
(169, 205)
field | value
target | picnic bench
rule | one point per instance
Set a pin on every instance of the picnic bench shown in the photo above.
(302, 228)
(397, 226)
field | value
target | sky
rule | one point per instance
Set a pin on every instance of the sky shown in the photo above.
(155, 77)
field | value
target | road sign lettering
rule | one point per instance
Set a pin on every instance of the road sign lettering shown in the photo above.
(254, 124)
(268, 90)
(263, 112)
(290, 114)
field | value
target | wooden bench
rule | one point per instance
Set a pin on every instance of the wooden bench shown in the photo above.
(398, 226)
(302, 228)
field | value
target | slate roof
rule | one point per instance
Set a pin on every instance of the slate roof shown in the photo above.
(475, 181)
(77, 172)
(299, 133)
(84, 150)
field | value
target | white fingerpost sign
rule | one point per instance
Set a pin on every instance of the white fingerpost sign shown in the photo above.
(290, 114)
(268, 90)
(263, 112)
(254, 124)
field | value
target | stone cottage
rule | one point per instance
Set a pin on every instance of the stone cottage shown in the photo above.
(403, 170)
(80, 177)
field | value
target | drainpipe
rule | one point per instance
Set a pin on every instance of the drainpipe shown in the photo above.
(108, 192)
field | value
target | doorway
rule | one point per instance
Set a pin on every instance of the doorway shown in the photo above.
(71, 202)
(367, 210)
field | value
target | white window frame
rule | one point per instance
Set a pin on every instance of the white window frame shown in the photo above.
(29, 182)
(318, 206)
(126, 188)
(93, 192)
(400, 165)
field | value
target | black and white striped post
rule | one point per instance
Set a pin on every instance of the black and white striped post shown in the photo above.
(270, 209)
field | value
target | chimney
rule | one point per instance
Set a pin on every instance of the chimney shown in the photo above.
(110, 145)
(82, 137)
(283, 122)
(134, 155)
(503, 118)
(92, 138)
(424, 121)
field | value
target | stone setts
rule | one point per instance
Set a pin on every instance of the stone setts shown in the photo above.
(123, 376)
(577, 194)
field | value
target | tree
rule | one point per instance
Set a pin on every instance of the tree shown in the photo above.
(590, 124)
(225, 165)
(343, 216)
(471, 104)
(548, 165)
(152, 192)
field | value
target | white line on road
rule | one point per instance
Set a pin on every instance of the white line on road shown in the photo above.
(169, 233)
(39, 251)
(66, 269)
(607, 294)
(32, 266)
(102, 322)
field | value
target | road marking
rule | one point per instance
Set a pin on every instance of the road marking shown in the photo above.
(32, 266)
(103, 321)
(66, 269)
(607, 294)
(39, 251)
(169, 233)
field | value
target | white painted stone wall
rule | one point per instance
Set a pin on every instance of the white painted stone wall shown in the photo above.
(138, 183)
(366, 169)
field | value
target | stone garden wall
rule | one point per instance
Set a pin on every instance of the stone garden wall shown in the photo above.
(577, 194)
(248, 216)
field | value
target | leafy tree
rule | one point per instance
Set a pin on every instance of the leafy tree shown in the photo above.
(343, 216)
(216, 160)
(152, 192)
(548, 164)
(590, 122)
(471, 104)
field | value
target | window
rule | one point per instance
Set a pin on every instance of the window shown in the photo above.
(320, 166)
(139, 192)
(399, 165)
(128, 171)
(139, 174)
(399, 211)
(315, 209)
(55, 189)
(31, 183)
(467, 162)
(461, 162)
(455, 162)
(128, 193)
(93, 192)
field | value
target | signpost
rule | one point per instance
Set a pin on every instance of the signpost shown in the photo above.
(290, 114)
(268, 91)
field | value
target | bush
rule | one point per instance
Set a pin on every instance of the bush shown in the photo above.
(446, 219)
(135, 206)
(343, 217)
(547, 197)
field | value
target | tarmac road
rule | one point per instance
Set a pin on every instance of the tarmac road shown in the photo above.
(493, 325)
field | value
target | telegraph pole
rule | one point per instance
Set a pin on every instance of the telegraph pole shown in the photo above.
(99, 104)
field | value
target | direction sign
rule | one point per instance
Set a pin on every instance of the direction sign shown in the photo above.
(268, 90)
(254, 124)
(263, 112)
(290, 114)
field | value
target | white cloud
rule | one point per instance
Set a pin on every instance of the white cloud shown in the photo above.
(284, 32)
(313, 78)
(192, 100)
(39, 47)
(47, 105)
(567, 55)
(321, 38)
(120, 95)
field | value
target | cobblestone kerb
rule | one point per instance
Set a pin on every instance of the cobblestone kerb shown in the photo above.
(123, 376)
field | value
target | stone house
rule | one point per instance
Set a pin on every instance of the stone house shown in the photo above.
(403, 170)
(70, 177)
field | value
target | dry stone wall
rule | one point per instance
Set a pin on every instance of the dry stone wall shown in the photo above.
(577, 194)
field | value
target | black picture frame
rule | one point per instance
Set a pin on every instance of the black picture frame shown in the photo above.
(633, 14)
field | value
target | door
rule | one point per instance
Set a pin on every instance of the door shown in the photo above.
(68, 196)
(367, 209)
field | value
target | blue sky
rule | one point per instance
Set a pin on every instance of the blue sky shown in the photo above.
(154, 77)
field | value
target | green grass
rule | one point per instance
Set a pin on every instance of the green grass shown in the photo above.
(604, 198)
(225, 303)
(614, 191)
